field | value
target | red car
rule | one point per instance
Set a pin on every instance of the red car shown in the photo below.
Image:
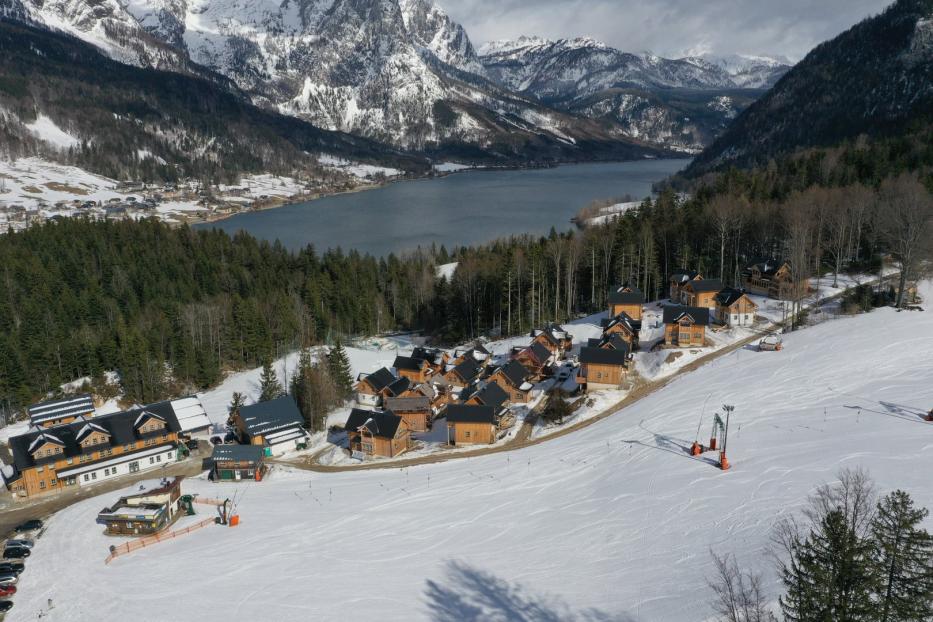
(7, 590)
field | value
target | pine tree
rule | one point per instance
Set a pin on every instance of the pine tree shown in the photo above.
(338, 365)
(300, 388)
(557, 407)
(903, 557)
(236, 403)
(829, 575)
(269, 385)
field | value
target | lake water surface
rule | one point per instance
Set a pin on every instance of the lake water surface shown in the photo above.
(465, 208)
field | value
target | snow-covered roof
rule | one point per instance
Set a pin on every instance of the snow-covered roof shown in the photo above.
(190, 414)
(60, 409)
(44, 438)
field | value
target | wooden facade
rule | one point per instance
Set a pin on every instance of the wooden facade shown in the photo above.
(603, 368)
(144, 513)
(678, 280)
(471, 433)
(237, 463)
(701, 293)
(628, 300)
(735, 308)
(377, 434)
(774, 279)
(685, 327)
(415, 411)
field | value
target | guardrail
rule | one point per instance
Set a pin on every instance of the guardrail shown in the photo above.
(135, 545)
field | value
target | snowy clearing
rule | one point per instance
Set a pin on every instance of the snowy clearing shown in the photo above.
(612, 522)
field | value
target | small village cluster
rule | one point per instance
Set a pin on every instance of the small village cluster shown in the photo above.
(474, 392)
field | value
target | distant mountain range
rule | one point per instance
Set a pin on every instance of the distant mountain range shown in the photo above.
(401, 72)
(876, 79)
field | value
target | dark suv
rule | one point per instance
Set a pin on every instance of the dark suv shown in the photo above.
(30, 525)
(16, 552)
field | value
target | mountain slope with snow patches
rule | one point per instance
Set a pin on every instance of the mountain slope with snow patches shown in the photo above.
(614, 521)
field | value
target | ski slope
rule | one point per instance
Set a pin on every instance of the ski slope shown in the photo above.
(613, 522)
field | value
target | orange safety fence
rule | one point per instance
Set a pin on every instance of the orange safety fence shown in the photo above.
(140, 543)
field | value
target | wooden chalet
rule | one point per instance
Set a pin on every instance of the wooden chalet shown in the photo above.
(553, 337)
(469, 424)
(626, 299)
(154, 507)
(477, 353)
(368, 387)
(700, 293)
(415, 370)
(400, 387)
(624, 326)
(610, 342)
(685, 327)
(772, 278)
(87, 451)
(416, 411)
(514, 379)
(436, 358)
(57, 412)
(678, 280)
(237, 462)
(535, 358)
(276, 425)
(485, 394)
(463, 374)
(604, 367)
(377, 434)
(735, 308)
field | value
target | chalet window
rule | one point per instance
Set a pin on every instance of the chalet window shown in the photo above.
(87, 477)
(467, 434)
(159, 458)
(94, 475)
(69, 461)
(106, 452)
(367, 447)
(53, 482)
(42, 484)
(151, 460)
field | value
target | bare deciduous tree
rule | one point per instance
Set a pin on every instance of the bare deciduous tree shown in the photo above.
(906, 218)
(739, 595)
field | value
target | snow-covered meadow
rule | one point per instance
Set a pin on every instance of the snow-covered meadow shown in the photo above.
(613, 522)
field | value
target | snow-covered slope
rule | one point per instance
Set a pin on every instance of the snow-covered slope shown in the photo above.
(614, 521)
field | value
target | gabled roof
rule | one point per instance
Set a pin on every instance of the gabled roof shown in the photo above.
(433, 356)
(73, 406)
(398, 387)
(381, 424)
(705, 285)
(379, 379)
(683, 276)
(88, 428)
(408, 363)
(468, 369)
(466, 413)
(237, 453)
(615, 342)
(625, 320)
(540, 353)
(120, 426)
(44, 438)
(603, 356)
(145, 416)
(619, 296)
(768, 266)
(514, 372)
(699, 315)
(407, 404)
(271, 416)
(729, 296)
(490, 394)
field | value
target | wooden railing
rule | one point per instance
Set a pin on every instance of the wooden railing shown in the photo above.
(140, 543)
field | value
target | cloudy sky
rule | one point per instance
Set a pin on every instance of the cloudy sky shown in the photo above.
(669, 27)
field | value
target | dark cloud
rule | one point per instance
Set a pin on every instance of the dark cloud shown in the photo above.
(669, 27)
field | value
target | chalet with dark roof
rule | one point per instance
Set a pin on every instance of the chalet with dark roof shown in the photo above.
(237, 462)
(485, 394)
(678, 280)
(735, 308)
(553, 337)
(515, 379)
(377, 434)
(685, 327)
(276, 425)
(624, 326)
(153, 507)
(604, 367)
(773, 278)
(700, 293)
(469, 424)
(416, 411)
(57, 412)
(535, 358)
(463, 373)
(89, 450)
(415, 370)
(369, 387)
(626, 299)
(436, 358)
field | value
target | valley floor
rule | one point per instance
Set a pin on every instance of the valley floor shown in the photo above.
(613, 522)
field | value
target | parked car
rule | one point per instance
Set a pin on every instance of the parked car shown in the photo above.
(7, 590)
(30, 525)
(5, 605)
(192, 444)
(16, 552)
(8, 579)
(23, 542)
(11, 567)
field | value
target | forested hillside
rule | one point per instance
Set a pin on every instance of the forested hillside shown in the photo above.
(875, 79)
(145, 124)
